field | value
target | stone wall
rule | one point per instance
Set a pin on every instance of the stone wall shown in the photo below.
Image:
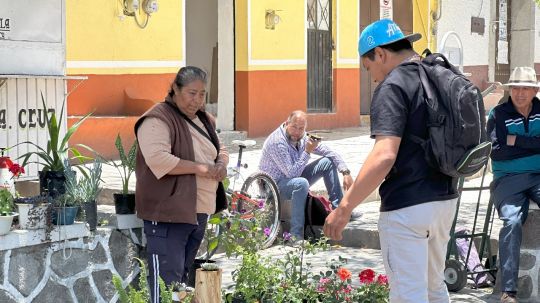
(76, 269)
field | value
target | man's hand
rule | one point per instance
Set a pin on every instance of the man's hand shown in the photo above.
(510, 140)
(347, 182)
(335, 223)
(311, 145)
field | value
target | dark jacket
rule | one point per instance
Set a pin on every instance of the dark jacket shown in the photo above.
(497, 129)
(173, 198)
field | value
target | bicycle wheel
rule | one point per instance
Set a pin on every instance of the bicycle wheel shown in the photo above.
(203, 253)
(260, 186)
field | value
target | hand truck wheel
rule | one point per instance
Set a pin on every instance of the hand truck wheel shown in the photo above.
(455, 275)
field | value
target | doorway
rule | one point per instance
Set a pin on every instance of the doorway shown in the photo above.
(319, 56)
(369, 13)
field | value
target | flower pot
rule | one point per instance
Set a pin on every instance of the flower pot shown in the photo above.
(52, 183)
(64, 215)
(6, 177)
(208, 285)
(193, 269)
(32, 216)
(124, 204)
(90, 213)
(5, 223)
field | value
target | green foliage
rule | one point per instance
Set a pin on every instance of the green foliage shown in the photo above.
(57, 150)
(254, 276)
(86, 188)
(126, 166)
(141, 294)
(238, 235)
(334, 285)
(6, 202)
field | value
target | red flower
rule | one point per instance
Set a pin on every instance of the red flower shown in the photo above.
(382, 280)
(344, 274)
(367, 276)
(16, 169)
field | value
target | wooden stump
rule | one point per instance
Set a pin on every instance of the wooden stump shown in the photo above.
(208, 286)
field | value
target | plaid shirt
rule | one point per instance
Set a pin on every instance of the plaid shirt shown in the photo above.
(281, 159)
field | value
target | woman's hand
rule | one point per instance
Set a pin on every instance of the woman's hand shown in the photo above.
(205, 170)
(219, 171)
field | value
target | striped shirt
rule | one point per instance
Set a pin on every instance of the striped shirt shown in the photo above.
(281, 159)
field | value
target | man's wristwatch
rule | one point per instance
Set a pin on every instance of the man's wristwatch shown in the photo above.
(345, 172)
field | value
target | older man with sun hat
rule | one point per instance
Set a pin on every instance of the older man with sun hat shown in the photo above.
(514, 128)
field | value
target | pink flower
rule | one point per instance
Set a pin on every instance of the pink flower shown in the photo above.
(346, 289)
(322, 284)
(382, 279)
(367, 276)
(267, 231)
(344, 274)
(261, 204)
(287, 236)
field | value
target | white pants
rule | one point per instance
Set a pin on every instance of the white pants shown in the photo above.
(413, 247)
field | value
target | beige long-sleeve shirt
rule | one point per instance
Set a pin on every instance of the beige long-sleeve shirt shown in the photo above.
(155, 145)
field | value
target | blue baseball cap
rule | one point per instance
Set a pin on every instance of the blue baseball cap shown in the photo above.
(382, 32)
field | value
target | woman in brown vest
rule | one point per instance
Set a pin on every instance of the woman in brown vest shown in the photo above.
(180, 162)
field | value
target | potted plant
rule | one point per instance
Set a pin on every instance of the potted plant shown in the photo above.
(65, 209)
(125, 202)
(85, 190)
(33, 211)
(6, 210)
(51, 177)
(9, 171)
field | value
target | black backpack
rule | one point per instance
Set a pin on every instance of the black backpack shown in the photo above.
(457, 143)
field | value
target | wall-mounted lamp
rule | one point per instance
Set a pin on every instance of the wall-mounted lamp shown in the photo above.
(132, 9)
(271, 19)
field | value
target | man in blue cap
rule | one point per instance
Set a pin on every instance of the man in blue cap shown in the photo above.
(416, 200)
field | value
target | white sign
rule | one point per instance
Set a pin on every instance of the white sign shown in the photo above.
(502, 52)
(23, 118)
(32, 37)
(386, 11)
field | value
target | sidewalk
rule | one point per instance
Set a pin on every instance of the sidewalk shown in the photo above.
(361, 240)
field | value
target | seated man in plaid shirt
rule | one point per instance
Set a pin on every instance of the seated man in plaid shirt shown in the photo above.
(285, 157)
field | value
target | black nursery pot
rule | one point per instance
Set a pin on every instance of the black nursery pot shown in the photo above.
(52, 183)
(124, 204)
(90, 212)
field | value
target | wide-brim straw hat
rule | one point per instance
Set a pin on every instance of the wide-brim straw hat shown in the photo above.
(522, 76)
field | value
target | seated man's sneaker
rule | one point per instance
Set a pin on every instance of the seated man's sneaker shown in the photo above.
(508, 298)
(295, 242)
(356, 214)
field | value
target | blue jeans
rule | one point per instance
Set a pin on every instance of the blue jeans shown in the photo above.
(513, 211)
(171, 250)
(296, 190)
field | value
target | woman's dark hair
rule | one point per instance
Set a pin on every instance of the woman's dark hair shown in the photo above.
(395, 47)
(187, 75)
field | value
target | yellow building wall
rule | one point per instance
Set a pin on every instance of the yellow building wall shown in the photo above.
(346, 21)
(281, 48)
(98, 31)
(422, 23)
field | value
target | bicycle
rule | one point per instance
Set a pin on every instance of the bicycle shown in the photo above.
(258, 195)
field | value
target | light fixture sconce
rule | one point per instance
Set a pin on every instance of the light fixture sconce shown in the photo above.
(132, 8)
(271, 19)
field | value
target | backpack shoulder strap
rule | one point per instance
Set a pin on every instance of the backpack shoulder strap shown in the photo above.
(309, 212)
